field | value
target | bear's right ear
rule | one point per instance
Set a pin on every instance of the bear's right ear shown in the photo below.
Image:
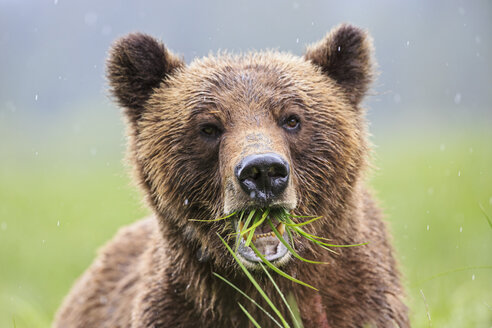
(137, 64)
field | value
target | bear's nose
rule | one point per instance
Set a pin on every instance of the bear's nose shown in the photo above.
(263, 176)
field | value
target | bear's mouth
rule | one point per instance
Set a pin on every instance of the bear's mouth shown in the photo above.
(264, 239)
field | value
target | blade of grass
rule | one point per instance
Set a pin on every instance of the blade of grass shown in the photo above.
(300, 231)
(249, 298)
(252, 233)
(254, 226)
(214, 220)
(302, 223)
(255, 283)
(315, 239)
(293, 304)
(485, 214)
(250, 317)
(290, 236)
(317, 242)
(294, 319)
(308, 236)
(245, 226)
(287, 245)
(277, 270)
(238, 233)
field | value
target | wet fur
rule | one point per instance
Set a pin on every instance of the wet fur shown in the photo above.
(158, 272)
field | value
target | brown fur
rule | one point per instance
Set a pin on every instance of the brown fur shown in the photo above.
(158, 272)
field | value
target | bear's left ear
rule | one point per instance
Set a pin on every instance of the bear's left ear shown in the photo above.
(138, 64)
(345, 55)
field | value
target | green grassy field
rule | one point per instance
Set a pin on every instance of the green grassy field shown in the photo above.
(54, 214)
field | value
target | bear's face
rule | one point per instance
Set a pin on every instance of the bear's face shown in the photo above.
(257, 131)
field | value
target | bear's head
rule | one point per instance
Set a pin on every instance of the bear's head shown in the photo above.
(242, 132)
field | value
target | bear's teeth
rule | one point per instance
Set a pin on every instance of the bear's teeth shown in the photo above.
(245, 236)
(281, 228)
(263, 235)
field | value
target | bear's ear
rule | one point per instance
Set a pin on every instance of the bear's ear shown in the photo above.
(136, 65)
(345, 55)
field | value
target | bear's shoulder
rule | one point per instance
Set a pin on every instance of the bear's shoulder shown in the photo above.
(111, 277)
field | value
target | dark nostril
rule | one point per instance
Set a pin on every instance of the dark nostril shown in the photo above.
(277, 171)
(263, 176)
(254, 173)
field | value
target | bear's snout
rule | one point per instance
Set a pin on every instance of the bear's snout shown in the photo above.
(263, 177)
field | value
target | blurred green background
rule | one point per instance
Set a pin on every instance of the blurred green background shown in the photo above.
(64, 188)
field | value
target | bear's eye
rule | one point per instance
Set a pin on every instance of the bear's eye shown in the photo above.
(211, 131)
(292, 123)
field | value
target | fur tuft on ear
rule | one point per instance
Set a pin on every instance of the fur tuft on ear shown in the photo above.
(137, 64)
(345, 55)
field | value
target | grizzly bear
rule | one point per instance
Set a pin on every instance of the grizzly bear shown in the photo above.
(256, 131)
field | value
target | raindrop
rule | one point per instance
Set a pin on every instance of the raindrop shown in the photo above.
(473, 277)
(470, 150)
(312, 23)
(407, 44)
(3, 226)
(252, 194)
(459, 173)
(457, 98)
(297, 40)
(186, 202)
(490, 201)
(442, 147)
(339, 48)
(58, 223)
(56, 2)
(461, 229)
(36, 153)
(43, 241)
(36, 97)
(430, 191)
(428, 227)
(93, 151)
